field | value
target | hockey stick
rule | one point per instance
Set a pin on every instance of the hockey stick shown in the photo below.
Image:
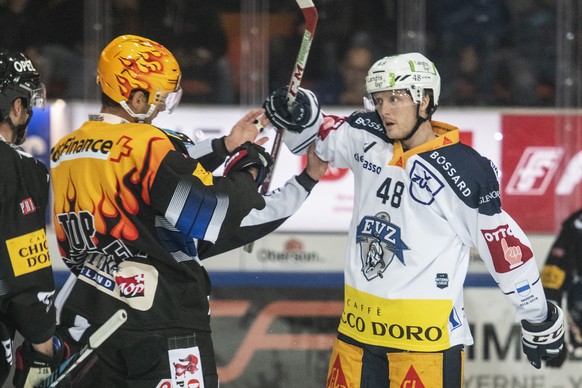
(310, 17)
(95, 340)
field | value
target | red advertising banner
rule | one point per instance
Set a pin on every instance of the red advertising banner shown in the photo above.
(541, 169)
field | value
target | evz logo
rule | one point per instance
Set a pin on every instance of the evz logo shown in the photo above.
(425, 185)
(379, 242)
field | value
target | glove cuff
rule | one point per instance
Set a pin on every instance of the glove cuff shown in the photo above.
(307, 182)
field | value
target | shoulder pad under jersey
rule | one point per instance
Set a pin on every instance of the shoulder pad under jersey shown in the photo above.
(179, 135)
(471, 176)
(369, 122)
(180, 140)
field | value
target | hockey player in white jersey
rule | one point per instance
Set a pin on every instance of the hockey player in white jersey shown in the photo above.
(423, 199)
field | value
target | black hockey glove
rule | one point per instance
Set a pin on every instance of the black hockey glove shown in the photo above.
(544, 341)
(558, 361)
(302, 114)
(32, 368)
(6, 359)
(249, 155)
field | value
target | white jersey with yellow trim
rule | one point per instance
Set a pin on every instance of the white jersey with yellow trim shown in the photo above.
(416, 216)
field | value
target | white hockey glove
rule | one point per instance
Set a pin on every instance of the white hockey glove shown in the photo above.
(303, 112)
(32, 368)
(543, 341)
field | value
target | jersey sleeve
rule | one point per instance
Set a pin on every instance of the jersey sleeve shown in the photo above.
(211, 153)
(500, 241)
(198, 204)
(280, 204)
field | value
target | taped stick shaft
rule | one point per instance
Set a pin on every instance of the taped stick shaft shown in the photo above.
(95, 340)
(310, 17)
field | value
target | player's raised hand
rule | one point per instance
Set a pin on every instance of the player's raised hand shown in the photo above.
(245, 130)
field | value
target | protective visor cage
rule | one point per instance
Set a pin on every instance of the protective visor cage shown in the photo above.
(394, 98)
(37, 98)
(167, 100)
(412, 72)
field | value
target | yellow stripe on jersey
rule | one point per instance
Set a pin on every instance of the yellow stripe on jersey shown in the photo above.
(410, 324)
(204, 176)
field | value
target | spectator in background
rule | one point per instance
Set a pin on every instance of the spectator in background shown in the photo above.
(339, 21)
(50, 33)
(193, 30)
(562, 276)
(465, 85)
(465, 37)
(17, 16)
(545, 90)
(346, 87)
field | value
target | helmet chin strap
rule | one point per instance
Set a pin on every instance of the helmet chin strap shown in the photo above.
(419, 121)
(141, 117)
(19, 131)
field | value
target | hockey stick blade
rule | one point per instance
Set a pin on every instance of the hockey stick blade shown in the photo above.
(95, 340)
(310, 17)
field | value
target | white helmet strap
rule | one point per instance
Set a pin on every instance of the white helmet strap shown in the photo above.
(141, 117)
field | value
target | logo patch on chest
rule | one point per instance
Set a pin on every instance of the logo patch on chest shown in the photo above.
(425, 185)
(379, 242)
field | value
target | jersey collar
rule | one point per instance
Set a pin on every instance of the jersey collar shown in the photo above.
(447, 135)
(107, 118)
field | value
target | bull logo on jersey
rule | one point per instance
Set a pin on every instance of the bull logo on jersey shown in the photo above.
(379, 242)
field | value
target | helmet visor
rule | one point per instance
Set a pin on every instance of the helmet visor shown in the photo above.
(168, 101)
(397, 98)
(37, 98)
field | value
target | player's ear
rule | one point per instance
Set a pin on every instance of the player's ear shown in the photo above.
(138, 101)
(424, 104)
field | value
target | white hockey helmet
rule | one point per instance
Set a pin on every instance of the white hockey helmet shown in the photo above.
(411, 71)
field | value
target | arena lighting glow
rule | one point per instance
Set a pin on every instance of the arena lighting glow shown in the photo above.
(498, 136)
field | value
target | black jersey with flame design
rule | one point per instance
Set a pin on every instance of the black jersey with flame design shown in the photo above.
(129, 206)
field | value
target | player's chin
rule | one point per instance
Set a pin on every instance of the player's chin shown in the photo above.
(394, 133)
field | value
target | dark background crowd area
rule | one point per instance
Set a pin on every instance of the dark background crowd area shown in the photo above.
(488, 52)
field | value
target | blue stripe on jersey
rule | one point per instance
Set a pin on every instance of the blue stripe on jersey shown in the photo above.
(196, 213)
(174, 241)
(204, 216)
(304, 145)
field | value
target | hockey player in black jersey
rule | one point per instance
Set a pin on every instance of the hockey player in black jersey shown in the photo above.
(137, 210)
(562, 277)
(26, 277)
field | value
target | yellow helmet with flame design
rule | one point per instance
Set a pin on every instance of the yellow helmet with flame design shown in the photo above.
(131, 62)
